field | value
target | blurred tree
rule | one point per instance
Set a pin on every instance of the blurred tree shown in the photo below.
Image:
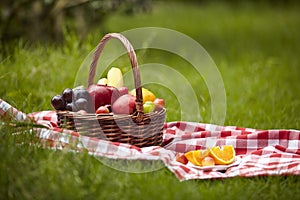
(43, 20)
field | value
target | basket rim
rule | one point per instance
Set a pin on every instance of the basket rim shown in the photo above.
(112, 115)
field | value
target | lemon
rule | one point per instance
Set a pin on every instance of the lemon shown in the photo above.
(147, 95)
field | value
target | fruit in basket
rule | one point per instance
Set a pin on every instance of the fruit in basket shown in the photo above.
(159, 104)
(108, 107)
(159, 101)
(149, 107)
(207, 161)
(72, 100)
(158, 107)
(67, 95)
(180, 157)
(123, 90)
(102, 110)
(81, 93)
(102, 95)
(102, 81)
(224, 155)
(82, 100)
(58, 102)
(124, 104)
(81, 104)
(147, 94)
(82, 112)
(115, 77)
(71, 107)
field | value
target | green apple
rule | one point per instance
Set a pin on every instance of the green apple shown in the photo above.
(149, 107)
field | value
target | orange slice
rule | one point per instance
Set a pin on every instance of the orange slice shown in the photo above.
(224, 155)
(192, 157)
(196, 156)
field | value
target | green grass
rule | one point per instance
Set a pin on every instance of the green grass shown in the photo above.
(256, 49)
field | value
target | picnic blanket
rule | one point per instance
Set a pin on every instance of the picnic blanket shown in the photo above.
(261, 152)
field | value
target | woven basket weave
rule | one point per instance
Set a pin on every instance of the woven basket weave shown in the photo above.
(139, 129)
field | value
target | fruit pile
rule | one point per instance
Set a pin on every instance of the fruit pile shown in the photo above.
(72, 100)
(208, 157)
(108, 96)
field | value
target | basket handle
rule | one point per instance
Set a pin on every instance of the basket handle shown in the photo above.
(133, 61)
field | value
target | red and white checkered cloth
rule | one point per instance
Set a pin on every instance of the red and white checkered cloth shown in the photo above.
(262, 152)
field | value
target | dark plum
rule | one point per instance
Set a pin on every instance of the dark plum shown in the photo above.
(81, 93)
(67, 94)
(58, 102)
(82, 104)
(73, 100)
(71, 107)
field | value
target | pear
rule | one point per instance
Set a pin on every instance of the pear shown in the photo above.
(102, 81)
(115, 77)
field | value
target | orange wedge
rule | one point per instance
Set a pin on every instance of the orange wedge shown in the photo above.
(224, 155)
(196, 156)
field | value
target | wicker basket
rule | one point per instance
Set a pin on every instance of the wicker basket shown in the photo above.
(139, 129)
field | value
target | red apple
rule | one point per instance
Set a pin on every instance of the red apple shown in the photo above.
(159, 101)
(102, 95)
(149, 107)
(124, 104)
(102, 110)
(123, 90)
(159, 104)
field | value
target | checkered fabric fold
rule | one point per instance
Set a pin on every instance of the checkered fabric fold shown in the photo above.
(262, 152)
